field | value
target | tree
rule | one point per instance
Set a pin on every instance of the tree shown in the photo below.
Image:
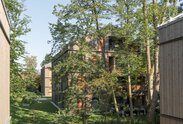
(77, 22)
(82, 18)
(47, 59)
(128, 57)
(145, 38)
(30, 74)
(159, 12)
(78, 69)
(18, 26)
(106, 82)
(136, 25)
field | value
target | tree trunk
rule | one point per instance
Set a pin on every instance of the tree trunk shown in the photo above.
(148, 53)
(174, 7)
(129, 73)
(115, 101)
(130, 92)
(162, 19)
(156, 85)
(149, 74)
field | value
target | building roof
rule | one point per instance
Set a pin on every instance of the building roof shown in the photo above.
(4, 7)
(66, 48)
(47, 65)
(171, 21)
(1, 23)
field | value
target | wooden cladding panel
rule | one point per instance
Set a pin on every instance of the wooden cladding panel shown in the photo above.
(171, 31)
(181, 79)
(171, 72)
(166, 120)
(163, 75)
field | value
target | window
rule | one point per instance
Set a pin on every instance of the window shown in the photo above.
(111, 43)
(111, 63)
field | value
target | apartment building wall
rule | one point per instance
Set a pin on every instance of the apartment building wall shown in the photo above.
(59, 85)
(4, 66)
(46, 80)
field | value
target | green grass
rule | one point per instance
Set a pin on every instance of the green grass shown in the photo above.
(44, 112)
(27, 116)
(98, 119)
(45, 106)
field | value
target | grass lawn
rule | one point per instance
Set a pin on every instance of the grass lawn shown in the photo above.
(39, 113)
(45, 106)
(43, 112)
(97, 119)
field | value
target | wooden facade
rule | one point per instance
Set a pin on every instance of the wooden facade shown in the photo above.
(171, 71)
(4, 66)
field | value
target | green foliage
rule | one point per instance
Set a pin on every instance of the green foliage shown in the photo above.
(130, 52)
(47, 59)
(110, 119)
(30, 63)
(135, 61)
(77, 20)
(43, 105)
(30, 116)
(64, 118)
(18, 26)
(28, 98)
(30, 74)
(33, 115)
(80, 68)
(106, 81)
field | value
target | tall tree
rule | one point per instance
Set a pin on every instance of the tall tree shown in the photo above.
(125, 11)
(158, 17)
(18, 26)
(148, 52)
(78, 69)
(30, 74)
(78, 21)
(83, 18)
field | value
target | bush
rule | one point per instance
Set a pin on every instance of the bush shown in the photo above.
(65, 118)
(29, 98)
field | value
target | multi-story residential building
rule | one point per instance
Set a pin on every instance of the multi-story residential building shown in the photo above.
(109, 44)
(59, 85)
(46, 80)
(4, 66)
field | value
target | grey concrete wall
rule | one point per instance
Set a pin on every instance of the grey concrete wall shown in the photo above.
(4, 67)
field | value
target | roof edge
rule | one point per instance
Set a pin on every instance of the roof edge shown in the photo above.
(171, 21)
(5, 10)
(4, 32)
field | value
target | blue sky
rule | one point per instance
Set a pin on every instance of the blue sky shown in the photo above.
(40, 12)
